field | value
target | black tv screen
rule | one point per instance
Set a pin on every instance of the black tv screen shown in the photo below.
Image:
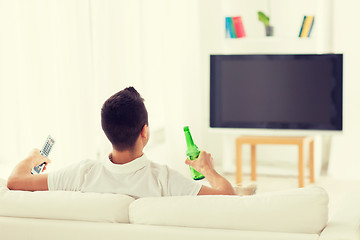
(300, 91)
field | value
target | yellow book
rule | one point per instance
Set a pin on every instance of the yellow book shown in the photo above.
(307, 26)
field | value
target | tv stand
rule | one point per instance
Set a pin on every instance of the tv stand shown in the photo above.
(255, 140)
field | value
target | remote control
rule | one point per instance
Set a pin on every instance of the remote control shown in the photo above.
(44, 152)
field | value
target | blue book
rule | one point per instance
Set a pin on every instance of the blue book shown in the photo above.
(227, 26)
(230, 29)
(302, 26)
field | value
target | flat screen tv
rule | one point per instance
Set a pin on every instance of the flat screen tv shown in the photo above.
(292, 92)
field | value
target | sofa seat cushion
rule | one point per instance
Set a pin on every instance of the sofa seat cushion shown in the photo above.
(303, 210)
(66, 205)
(23, 229)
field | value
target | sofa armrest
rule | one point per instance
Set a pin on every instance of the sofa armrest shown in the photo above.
(345, 223)
(65, 205)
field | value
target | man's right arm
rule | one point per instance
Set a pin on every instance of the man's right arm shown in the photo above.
(21, 177)
(219, 185)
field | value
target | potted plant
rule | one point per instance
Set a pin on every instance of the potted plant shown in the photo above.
(269, 30)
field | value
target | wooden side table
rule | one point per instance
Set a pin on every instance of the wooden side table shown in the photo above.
(254, 140)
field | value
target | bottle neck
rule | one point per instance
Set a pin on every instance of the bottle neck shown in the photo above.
(189, 141)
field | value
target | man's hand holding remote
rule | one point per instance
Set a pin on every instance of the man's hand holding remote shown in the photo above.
(21, 177)
(37, 159)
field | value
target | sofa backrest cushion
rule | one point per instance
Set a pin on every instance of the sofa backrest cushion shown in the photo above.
(302, 210)
(95, 207)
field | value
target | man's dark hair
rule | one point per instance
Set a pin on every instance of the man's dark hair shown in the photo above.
(123, 116)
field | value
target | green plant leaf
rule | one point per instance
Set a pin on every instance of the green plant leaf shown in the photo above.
(263, 18)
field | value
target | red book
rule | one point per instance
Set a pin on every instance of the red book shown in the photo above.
(239, 27)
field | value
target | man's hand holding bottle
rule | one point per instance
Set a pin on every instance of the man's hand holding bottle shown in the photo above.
(204, 163)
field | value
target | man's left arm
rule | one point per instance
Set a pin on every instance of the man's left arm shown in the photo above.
(21, 177)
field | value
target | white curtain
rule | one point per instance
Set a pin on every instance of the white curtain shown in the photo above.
(46, 80)
(59, 61)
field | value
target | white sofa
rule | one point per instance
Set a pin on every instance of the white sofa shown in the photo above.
(296, 214)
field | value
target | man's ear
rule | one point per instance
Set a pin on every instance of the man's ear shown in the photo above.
(145, 131)
(145, 134)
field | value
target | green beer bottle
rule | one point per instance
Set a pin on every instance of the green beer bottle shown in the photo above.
(192, 152)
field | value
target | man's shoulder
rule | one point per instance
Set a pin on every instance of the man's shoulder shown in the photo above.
(164, 170)
(85, 165)
(90, 163)
(157, 167)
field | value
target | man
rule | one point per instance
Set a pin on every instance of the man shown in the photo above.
(124, 120)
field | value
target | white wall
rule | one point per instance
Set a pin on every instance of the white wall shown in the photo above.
(345, 154)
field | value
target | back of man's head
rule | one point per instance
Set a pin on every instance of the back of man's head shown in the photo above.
(123, 116)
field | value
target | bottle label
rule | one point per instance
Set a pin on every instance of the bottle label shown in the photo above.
(193, 157)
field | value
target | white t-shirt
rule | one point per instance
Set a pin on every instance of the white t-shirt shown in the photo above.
(138, 178)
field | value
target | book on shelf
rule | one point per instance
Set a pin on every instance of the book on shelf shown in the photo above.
(302, 26)
(306, 26)
(239, 26)
(234, 27)
(227, 27)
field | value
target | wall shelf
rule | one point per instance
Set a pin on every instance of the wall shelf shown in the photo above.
(270, 45)
(287, 24)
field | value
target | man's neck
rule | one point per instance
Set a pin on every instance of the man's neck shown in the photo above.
(123, 157)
